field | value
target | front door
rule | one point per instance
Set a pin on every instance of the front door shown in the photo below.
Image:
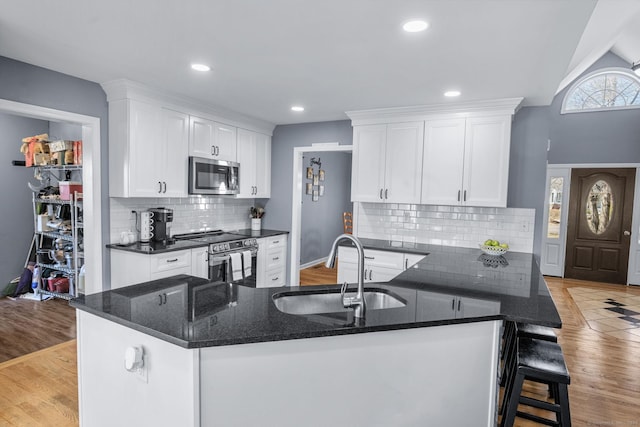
(599, 225)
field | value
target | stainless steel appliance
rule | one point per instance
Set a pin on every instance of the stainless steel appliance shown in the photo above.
(161, 224)
(226, 253)
(208, 176)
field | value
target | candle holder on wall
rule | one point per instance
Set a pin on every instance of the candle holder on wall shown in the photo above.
(314, 188)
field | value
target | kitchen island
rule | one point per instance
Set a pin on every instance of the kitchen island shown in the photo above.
(224, 354)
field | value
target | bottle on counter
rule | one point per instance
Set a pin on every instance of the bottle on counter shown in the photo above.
(35, 280)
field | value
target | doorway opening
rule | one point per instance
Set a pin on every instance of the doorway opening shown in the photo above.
(91, 178)
(299, 177)
(591, 223)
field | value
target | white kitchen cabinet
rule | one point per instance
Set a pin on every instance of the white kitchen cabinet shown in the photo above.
(212, 140)
(466, 161)
(147, 150)
(200, 262)
(272, 261)
(379, 266)
(129, 268)
(387, 163)
(254, 156)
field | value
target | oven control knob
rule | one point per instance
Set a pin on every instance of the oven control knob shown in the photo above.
(254, 241)
(226, 246)
(215, 248)
(247, 242)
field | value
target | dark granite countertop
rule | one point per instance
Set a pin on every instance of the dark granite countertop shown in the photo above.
(177, 245)
(449, 286)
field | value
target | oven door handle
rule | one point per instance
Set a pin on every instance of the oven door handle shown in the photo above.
(213, 258)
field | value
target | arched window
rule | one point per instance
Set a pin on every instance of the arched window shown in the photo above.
(606, 89)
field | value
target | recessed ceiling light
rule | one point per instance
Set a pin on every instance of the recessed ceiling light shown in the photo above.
(415, 26)
(200, 67)
(452, 93)
(297, 108)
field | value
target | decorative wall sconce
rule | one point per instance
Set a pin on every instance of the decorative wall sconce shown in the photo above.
(314, 188)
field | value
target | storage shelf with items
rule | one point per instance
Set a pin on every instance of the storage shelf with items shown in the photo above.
(58, 239)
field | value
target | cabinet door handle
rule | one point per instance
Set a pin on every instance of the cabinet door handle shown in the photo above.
(213, 150)
(453, 304)
(164, 184)
(386, 193)
(406, 264)
(275, 278)
(217, 150)
(370, 274)
(276, 258)
(159, 187)
(458, 195)
(172, 260)
(465, 195)
(160, 299)
(459, 305)
(381, 194)
(276, 242)
(369, 257)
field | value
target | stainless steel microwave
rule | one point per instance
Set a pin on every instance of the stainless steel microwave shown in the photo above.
(208, 176)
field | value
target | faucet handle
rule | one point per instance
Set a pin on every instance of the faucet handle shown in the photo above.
(343, 290)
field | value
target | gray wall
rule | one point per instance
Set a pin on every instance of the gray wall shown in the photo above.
(16, 208)
(285, 138)
(322, 220)
(29, 84)
(528, 164)
(590, 137)
(594, 137)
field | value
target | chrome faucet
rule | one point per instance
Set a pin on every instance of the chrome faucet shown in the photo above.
(356, 302)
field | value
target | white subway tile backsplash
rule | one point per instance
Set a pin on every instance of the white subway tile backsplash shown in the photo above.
(195, 213)
(459, 226)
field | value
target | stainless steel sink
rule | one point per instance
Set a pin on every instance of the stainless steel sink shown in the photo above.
(330, 301)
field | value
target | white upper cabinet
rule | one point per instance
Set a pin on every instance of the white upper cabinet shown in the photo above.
(212, 140)
(147, 150)
(254, 156)
(387, 163)
(466, 161)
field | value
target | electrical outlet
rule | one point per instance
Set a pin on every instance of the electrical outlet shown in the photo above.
(142, 374)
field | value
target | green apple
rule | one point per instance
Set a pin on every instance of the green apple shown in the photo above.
(504, 245)
(488, 242)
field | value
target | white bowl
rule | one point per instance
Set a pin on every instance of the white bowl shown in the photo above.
(493, 250)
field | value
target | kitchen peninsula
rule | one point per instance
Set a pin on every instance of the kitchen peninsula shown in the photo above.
(225, 354)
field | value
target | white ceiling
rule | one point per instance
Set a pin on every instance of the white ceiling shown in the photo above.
(331, 56)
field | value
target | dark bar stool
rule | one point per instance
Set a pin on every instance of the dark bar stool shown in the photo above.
(542, 362)
(513, 330)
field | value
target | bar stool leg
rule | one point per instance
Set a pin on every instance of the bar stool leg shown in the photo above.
(512, 400)
(562, 397)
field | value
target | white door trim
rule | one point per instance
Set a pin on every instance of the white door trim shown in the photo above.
(553, 264)
(633, 268)
(296, 202)
(91, 173)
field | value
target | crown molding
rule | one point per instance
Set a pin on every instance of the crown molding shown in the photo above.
(127, 89)
(505, 106)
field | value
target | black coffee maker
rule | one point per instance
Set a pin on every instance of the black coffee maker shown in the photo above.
(161, 222)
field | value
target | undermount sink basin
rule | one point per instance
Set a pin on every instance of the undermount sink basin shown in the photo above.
(330, 301)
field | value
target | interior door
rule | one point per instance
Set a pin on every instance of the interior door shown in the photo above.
(599, 225)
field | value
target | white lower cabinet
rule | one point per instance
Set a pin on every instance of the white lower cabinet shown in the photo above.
(129, 268)
(272, 261)
(379, 266)
(200, 262)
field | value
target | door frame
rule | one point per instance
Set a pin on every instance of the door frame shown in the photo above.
(633, 267)
(91, 178)
(296, 201)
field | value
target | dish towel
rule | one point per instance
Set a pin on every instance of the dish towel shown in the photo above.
(236, 266)
(246, 258)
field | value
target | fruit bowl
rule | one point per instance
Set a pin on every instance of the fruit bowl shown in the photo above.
(493, 250)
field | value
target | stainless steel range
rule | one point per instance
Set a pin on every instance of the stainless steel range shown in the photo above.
(232, 257)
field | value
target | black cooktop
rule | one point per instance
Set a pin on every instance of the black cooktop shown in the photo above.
(214, 236)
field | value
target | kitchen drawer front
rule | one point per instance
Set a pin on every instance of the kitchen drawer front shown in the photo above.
(276, 258)
(275, 278)
(274, 242)
(178, 260)
(373, 258)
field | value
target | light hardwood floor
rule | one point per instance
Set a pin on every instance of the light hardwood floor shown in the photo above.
(40, 389)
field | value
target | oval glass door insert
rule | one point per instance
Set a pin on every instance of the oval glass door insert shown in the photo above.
(599, 207)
